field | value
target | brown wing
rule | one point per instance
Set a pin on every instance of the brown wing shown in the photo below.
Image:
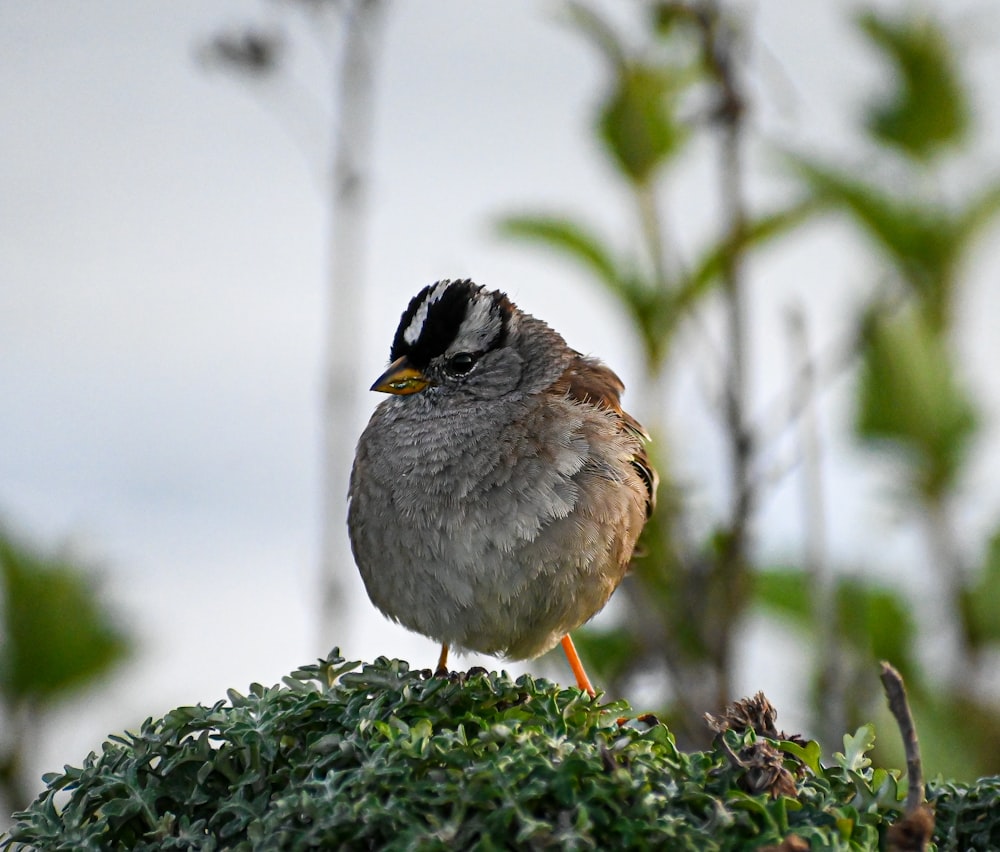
(588, 380)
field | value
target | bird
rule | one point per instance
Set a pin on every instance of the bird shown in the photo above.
(497, 494)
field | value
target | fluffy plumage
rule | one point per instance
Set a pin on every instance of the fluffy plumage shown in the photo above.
(498, 493)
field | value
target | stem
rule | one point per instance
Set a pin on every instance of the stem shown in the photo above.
(832, 716)
(652, 231)
(895, 692)
(348, 208)
(945, 555)
(718, 50)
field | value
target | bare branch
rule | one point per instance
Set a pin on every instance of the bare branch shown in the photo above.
(914, 831)
(823, 586)
(895, 692)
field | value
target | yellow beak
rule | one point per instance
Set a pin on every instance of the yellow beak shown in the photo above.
(401, 378)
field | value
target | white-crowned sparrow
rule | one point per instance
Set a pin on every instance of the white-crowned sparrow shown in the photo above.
(497, 495)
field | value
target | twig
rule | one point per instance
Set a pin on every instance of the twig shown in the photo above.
(718, 44)
(822, 581)
(914, 831)
(895, 692)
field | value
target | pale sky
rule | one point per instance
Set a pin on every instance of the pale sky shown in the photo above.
(161, 296)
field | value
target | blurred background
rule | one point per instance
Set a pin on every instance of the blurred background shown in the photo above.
(776, 221)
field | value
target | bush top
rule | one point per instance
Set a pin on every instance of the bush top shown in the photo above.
(379, 756)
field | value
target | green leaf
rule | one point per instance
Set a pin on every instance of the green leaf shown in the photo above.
(977, 215)
(924, 241)
(810, 754)
(928, 108)
(600, 33)
(855, 755)
(650, 309)
(57, 636)
(709, 268)
(637, 120)
(571, 239)
(911, 398)
(875, 621)
(785, 592)
(845, 823)
(916, 237)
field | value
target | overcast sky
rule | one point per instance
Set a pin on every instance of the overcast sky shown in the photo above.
(161, 295)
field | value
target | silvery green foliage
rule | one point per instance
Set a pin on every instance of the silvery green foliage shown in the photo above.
(377, 756)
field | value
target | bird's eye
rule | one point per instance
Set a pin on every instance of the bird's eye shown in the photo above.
(460, 363)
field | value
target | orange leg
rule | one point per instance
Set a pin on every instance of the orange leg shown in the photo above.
(582, 680)
(443, 660)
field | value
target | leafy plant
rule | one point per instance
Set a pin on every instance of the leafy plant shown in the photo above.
(379, 756)
(57, 636)
(928, 110)
(913, 401)
(57, 639)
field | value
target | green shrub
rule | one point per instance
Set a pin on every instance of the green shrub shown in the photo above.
(378, 756)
